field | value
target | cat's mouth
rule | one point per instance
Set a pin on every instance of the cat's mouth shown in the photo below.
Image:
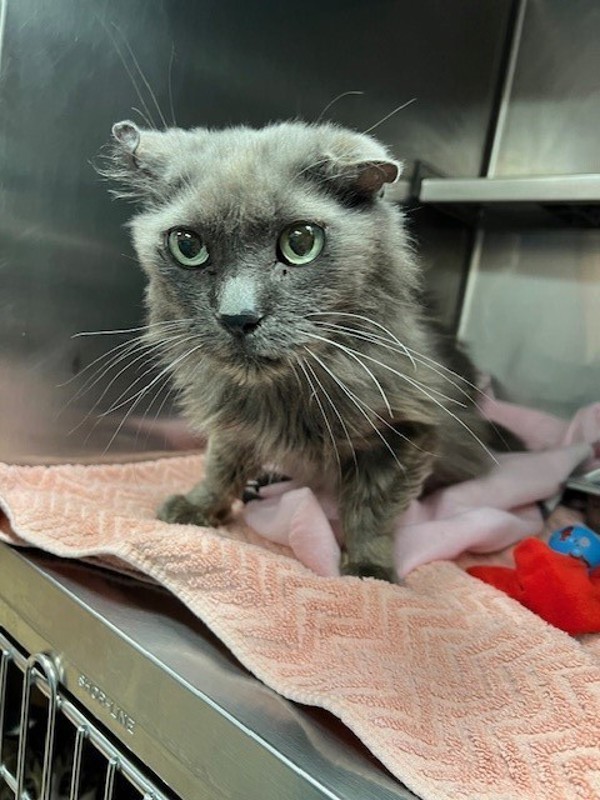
(246, 351)
(254, 358)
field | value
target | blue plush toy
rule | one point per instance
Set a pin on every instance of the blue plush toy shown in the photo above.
(578, 541)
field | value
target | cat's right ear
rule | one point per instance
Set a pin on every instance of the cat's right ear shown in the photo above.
(135, 161)
(128, 136)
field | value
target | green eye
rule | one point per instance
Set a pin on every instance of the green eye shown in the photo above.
(301, 243)
(187, 247)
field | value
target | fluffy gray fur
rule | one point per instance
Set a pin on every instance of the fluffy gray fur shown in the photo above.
(340, 384)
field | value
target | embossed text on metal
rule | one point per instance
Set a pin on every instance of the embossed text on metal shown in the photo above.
(100, 696)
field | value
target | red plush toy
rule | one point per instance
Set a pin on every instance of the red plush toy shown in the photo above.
(560, 588)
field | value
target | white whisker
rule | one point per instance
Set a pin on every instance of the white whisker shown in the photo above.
(159, 410)
(411, 381)
(391, 114)
(450, 372)
(371, 322)
(381, 342)
(427, 361)
(350, 395)
(335, 100)
(143, 116)
(120, 403)
(430, 395)
(127, 347)
(336, 412)
(143, 77)
(298, 381)
(86, 388)
(323, 414)
(165, 324)
(121, 346)
(170, 85)
(102, 370)
(403, 436)
(129, 411)
(424, 361)
(307, 169)
(364, 366)
(127, 68)
(147, 351)
(145, 390)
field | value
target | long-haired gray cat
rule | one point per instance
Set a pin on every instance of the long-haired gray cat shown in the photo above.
(284, 299)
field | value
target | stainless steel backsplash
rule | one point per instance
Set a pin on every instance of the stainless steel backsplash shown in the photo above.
(532, 311)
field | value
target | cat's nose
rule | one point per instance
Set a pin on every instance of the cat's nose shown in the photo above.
(241, 324)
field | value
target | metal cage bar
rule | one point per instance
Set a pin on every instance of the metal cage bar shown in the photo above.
(80, 738)
(49, 673)
(4, 659)
(39, 670)
(109, 781)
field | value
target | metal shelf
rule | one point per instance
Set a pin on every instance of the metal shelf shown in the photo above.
(563, 189)
(529, 201)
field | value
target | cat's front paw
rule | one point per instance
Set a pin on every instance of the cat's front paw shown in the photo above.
(178, 509)
(366, 569)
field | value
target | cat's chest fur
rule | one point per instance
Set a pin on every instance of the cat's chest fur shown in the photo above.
(288, 425)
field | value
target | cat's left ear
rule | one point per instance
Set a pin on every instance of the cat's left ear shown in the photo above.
(362, 179)
(371, 176)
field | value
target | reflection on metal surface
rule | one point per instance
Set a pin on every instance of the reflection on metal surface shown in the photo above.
(530, 314)
(65, 260)
(212, 730)
(507, 82)
(554, 111)
(3, 4)
(533, 317)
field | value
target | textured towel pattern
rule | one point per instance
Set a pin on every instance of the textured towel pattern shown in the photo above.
(462, 693)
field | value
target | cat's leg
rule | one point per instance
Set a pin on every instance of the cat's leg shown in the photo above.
(374, 492)
(229, 465)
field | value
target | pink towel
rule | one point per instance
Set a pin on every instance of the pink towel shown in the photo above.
(461, 692)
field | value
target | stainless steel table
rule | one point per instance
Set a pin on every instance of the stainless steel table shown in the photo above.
(161, 698)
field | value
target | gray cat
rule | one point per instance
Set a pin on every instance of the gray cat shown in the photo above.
(284, 298)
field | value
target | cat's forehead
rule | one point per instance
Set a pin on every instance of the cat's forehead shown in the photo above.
(280, 144)
(242, 172)
(266, 157)
(246, 200)
(243, 162)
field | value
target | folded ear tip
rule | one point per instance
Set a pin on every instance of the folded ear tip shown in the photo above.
(374, 174)
(399, 170)
(127, 133)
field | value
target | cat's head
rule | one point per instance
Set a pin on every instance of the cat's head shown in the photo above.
(247, 234)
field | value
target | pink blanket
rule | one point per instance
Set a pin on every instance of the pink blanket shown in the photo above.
(461, 692)
(482, 515)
